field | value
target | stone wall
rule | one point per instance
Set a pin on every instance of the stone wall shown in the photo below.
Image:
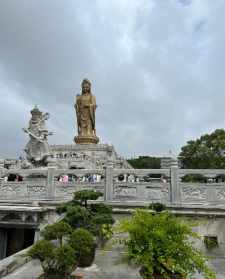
(117, 185)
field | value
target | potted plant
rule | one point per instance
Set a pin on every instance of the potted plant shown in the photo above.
(96, 218)
(82, 241)
(57, 262)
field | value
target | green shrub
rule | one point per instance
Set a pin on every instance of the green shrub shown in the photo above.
(160, 244)
(57, 262)
(85, 195)
(78, 217)
(41, 250)
(64, 260)
(96, 218)
(82, 241)
(57, 231)
(101, 208)
(105, 233)
(194, 178)
(157, 206)
(64, 207)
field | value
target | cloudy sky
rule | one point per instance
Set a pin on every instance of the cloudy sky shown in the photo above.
(157, 69)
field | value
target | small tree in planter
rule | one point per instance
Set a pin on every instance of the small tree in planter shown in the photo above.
(57, 231)
(78, 217)
(161, 245)
(82, 241)
(65, 260)
(97, 218)
(57, 262)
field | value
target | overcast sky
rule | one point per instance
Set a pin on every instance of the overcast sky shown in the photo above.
(157, 69)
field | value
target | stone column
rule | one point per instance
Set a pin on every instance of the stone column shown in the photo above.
(37, 235)
(175, 192)
(1, 167)
(50, 183)
(108, 195)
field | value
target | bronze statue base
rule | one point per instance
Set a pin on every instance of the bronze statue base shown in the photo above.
(86, 139)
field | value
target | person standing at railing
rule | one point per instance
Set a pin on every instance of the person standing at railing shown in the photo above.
(65, 178)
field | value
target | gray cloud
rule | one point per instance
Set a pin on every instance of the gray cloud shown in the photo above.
(156, 69)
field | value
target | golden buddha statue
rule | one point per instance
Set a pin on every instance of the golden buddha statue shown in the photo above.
(85, 107)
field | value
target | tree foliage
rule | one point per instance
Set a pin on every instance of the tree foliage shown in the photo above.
(85, 195)
(65, 260)
(57, 231)
(160, 244)
(145, 162)
(96, 218)
(42, 250)
(82, 241)
(81, 223)
(205, 152)
(157, 206)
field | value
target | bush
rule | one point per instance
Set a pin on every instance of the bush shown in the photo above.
(64, 207)
(91, 217)
(64, 260)
(82, 241)
(42, 250)
(101, 208)
(105, 233)
(57, 262)
(85, 195)
(160, 244)
(194, 178)
(78, 217)
(57, 231)
(157, 206)
(96, 218)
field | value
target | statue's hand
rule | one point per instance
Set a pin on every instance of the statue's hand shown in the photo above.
(25, 130)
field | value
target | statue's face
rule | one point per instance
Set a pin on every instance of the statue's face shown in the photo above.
(86, 88)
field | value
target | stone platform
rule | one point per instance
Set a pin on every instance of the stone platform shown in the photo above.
(87, 156)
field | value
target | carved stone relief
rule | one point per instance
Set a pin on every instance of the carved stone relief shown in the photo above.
(196, 193)
(125, 192)
(220, 194)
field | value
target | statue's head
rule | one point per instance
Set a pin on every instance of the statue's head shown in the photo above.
(36, 113)
(86, 86)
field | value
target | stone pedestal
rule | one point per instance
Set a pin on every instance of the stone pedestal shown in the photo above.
(86, 139)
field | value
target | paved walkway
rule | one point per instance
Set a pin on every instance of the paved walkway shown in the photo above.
(108, 264)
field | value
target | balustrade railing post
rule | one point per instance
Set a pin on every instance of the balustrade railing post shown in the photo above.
(175, 191)
(108, 193)
(50, 183)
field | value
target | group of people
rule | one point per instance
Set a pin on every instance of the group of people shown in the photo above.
(93, 178)
(13, 178)
(133, 178)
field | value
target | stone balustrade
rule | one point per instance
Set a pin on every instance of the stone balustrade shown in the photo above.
(117, 185)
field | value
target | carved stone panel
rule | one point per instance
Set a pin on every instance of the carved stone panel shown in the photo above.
(124, 192)
(220, 194)
(38, 191)
(194, 193)
(157, 194)
(67, 190)
(12, 190)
